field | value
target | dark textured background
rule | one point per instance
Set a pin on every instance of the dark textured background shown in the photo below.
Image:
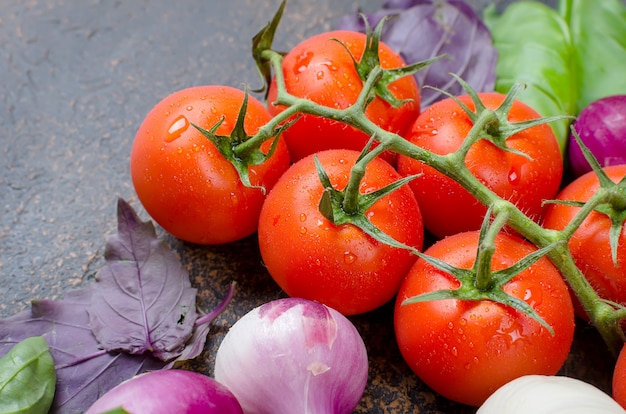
(76, 80)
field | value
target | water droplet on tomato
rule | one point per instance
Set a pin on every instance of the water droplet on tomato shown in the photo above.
(302, 62)
(329, 65)
(533, 297)
(514, 176)
(349, 257)
(275, 219)
(511, 332)
(320, 75)
(179, 126)
(302, 217)
(434, 132)
(189, 108)
(302, 230)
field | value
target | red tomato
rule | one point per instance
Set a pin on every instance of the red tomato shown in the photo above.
(446, 206)
(619, 379)
(183, 181)
(321, 70)
(590, 246)
(338, 265)
(465, 350)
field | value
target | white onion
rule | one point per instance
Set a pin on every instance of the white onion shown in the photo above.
(541, 394)
(291, 356)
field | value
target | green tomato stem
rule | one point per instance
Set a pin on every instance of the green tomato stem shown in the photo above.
(351, 194)
(486, 250)
(596, 199)
(487, 119)
(599, 311)
(603, 315)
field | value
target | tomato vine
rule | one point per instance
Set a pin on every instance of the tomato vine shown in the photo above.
(487, 124)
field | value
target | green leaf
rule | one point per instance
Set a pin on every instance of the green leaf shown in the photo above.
(119, 410)
(598, 33)
(534, 48)
(27, 378)
(568, 58)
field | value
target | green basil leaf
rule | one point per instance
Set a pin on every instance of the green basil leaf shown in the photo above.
(533, 44)
(27, 378)
(598, 32)
(568, 58)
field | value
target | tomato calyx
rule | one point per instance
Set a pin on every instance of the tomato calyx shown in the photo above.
(610, 199)
(233, 148)
(349, 206)
(262, 42)
(481, 283)
(495, 127)
(371, 60)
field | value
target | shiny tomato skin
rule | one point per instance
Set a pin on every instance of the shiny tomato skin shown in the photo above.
(321, 70)
(589, 245)
(182, 180)
(338, 265)
(446, 206)
(619, 379)
(465, 350)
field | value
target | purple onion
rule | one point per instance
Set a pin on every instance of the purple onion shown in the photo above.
(422, 29)
(169, 391)
(293, 355)
(601, 126)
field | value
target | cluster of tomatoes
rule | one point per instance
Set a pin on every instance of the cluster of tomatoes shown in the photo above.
(191, 190)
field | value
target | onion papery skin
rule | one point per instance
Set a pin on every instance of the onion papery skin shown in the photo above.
(169, 391)
(601, 126)
(293, 355)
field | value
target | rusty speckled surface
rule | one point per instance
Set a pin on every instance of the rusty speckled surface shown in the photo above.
(76, 79)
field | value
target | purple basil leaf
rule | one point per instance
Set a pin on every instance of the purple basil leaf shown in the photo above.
(142, 300)
(195, 345)
(423, 29)
(84, 370)
(155, 282)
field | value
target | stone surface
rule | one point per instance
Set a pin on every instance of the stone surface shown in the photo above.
(77, 79)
